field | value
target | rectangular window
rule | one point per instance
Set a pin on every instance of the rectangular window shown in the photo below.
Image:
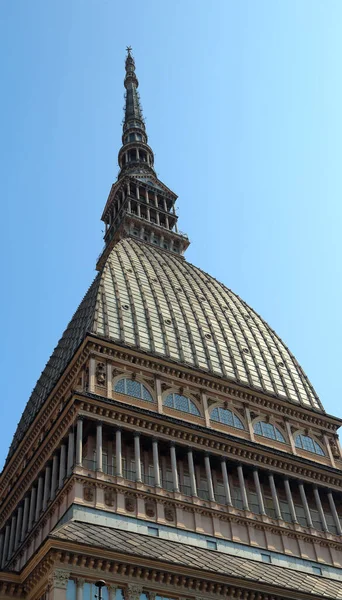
(153, 531)
(211, 545)
(253, 502)
(266, 558)
(285, 511)
(269, 507)
(317, 570)
(236, 497)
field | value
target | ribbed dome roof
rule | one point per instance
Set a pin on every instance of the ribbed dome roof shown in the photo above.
(158, 302)
(155, 301)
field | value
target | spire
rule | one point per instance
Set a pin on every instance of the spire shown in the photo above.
(139, 205)
(135, 155)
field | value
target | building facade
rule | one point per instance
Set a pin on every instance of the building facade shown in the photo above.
(172, 447)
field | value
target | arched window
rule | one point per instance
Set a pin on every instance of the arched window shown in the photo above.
(181, 403)
(269, 431)
(307, 443)
(225, 416)
(134, 388)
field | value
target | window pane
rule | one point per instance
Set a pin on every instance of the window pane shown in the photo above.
(133, 388)
(269, 431)
(120, 386)
(146, 394)
(214, 415)
(181, 403)
(257, 428)
(237, 422)
(169, 401)
(308, 444)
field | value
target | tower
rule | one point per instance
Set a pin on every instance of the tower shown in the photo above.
(172, 447)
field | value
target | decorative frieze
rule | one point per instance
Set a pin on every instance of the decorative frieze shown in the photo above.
(59, 579)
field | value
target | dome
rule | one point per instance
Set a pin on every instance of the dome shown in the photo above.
(156, 302)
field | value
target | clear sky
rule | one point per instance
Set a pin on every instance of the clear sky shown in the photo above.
(243, 105)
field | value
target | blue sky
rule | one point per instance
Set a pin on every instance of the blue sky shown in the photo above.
(242, 101)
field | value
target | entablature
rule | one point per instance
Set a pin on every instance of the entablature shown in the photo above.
(168, 374)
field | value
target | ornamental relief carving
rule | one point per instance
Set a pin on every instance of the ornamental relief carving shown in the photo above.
(169, 513)
(88, 493)
(109, 497)
(100, 373)
(150, 509)
(59, 579)
(133, 592)
(130, 504)
(334, 448)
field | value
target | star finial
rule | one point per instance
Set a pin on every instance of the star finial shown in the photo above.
(128, 49)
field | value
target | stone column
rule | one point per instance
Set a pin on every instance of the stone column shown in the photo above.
(193, 485)
(137, 461)
(99, 447)
(275, 497)
(79, 588)
(118, 456)
(18, 527)
(209, 477)
(132, 591)
(159, 396)
(174, 468)
(39, 498)
(258, 491)
(205, 409)
(249, 422)
(112, 592)
(290, 436)
(25, 518)
(6, 543)
(156, 463)
(109, 380)
(58, 583)
(320, 509)
(62, 466)
(334, 513)
(47, 486)
(92, 375)
(242, 488)
(71, 448)
(32, 508)
(79, 441)
(2, 538)
(226, 485)
(54, 476)
(305, 505)
(12, 536)
(290, 500)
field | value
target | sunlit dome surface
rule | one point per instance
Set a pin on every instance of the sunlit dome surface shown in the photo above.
(160, 303)
(157, 302)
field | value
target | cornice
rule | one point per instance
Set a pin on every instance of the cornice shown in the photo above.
(206, 509)
(37, 462)
(118, 568)
(49, 412)
(45, 415)
(205, 380)
(219, 443)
